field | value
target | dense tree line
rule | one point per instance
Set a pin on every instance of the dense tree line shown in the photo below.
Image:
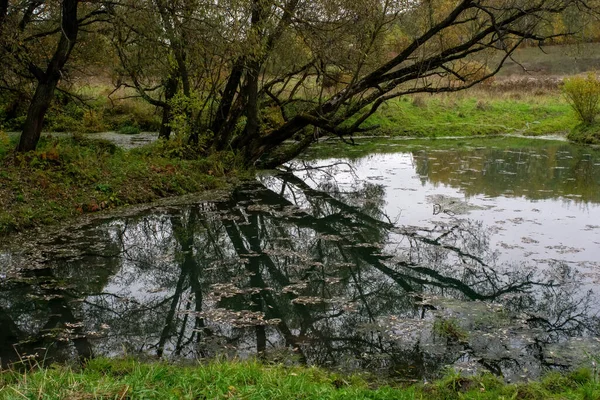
(249, 75)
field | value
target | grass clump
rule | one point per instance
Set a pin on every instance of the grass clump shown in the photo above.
(450, 329)
(69, 176)
(216, 380)
(129, 130)
(119, 379)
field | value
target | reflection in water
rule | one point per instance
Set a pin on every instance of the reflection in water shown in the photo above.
(552, 171)
(287, 271)
(532, 168)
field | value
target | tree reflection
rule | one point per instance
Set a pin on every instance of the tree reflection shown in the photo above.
(307, 273)
(516, 172)
(41, 317)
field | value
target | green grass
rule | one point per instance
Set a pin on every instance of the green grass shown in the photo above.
(585, 133)
(528, 108)
(121, 379)
(474, 114)
(216, 380)
(450, 329)
(69, 176)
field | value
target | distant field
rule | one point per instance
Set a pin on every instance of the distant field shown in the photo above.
(554, 60)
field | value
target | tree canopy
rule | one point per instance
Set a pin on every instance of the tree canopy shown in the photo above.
(250, 75)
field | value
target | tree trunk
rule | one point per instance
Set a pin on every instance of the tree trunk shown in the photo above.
(3, 13)
(44, 93)
(170, 91)
(222, 135)
(252, 107)
(165, 128)
(47, 81)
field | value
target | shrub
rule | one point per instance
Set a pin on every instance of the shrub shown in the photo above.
(583, 94)
(62, 122)
(93, 121)
(129, 130)
(585, 133)
(131, 112)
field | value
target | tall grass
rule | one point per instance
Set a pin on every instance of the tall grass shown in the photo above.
(129, 379)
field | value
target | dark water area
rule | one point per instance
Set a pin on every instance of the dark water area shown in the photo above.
(400, 263)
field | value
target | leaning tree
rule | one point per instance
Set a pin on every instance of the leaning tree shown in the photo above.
(249, 75)
(273, 71)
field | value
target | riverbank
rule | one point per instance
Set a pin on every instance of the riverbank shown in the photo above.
(121, 379)
(479, 112)
(70, 176)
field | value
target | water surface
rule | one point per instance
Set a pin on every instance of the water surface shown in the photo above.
(402, 260)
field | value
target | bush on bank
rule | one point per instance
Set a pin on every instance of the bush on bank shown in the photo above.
(583, 95)
(585, 133)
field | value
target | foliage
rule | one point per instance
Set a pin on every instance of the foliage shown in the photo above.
(70, 176)
(94, 112)
(583, 94)
(120, 113)
(266, 74)
(93, 121)
(505, 107)
(129, 130)
(235, 83)
(585, 133)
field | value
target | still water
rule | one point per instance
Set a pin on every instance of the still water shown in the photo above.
(403, 259)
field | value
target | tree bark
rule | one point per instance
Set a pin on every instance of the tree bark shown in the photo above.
(47, 81)
(3, 13)
(170, 91)
(222, 135)
(252, 107)
(44, 94)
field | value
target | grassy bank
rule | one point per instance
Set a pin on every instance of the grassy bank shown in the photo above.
(585, 134)
(474, 113)
(104, 379)
(70, 176)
